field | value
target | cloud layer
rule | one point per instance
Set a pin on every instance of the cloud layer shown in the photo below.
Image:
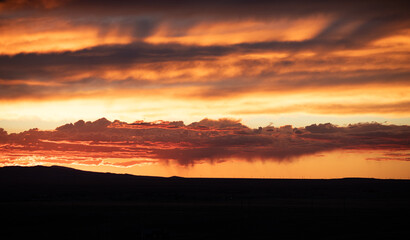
(209, 52)
(101, 141)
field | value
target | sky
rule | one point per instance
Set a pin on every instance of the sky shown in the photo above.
(196, 88)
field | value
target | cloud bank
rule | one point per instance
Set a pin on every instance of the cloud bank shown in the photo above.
(98, 142)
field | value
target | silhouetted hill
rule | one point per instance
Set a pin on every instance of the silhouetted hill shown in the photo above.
(57, 202)
(61, 183)
(62, 175)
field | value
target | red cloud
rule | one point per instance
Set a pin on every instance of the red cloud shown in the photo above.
(92, 142)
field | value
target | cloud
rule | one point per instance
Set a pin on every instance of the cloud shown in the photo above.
(142, 65)
(65, 52)
(223, 123)
(213, 7)
(3, 135)
(329, 108)
(391, 156)
(206, 140)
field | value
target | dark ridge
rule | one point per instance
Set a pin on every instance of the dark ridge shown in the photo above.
(61, 183)
(44, 174)
(175, 177)
(64, 203)
(60, 171)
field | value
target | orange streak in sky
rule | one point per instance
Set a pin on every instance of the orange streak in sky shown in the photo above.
(42, 35)
(234, 32)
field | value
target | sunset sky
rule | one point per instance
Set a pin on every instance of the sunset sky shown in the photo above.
(181, 87)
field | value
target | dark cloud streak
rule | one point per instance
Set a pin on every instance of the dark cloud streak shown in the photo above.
(368, 21)
(225, 8)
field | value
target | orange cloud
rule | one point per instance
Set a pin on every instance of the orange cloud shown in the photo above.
(105, 143)
(396, 108)
(234, 32)
(50, 34)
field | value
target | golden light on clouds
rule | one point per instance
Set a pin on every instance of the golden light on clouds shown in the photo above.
(234, 32)
(262, 62)
(188, 104)
(49, 35)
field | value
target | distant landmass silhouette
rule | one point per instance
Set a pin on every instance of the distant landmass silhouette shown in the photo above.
(64, 203)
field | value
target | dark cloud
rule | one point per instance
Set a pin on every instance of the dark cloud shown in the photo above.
(3, 135)
(207, 140)
(225, 8)
(39, 65)
(354, 26)
(288, 74)
(392, 157)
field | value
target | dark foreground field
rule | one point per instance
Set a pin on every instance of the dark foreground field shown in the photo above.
(63, 203)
